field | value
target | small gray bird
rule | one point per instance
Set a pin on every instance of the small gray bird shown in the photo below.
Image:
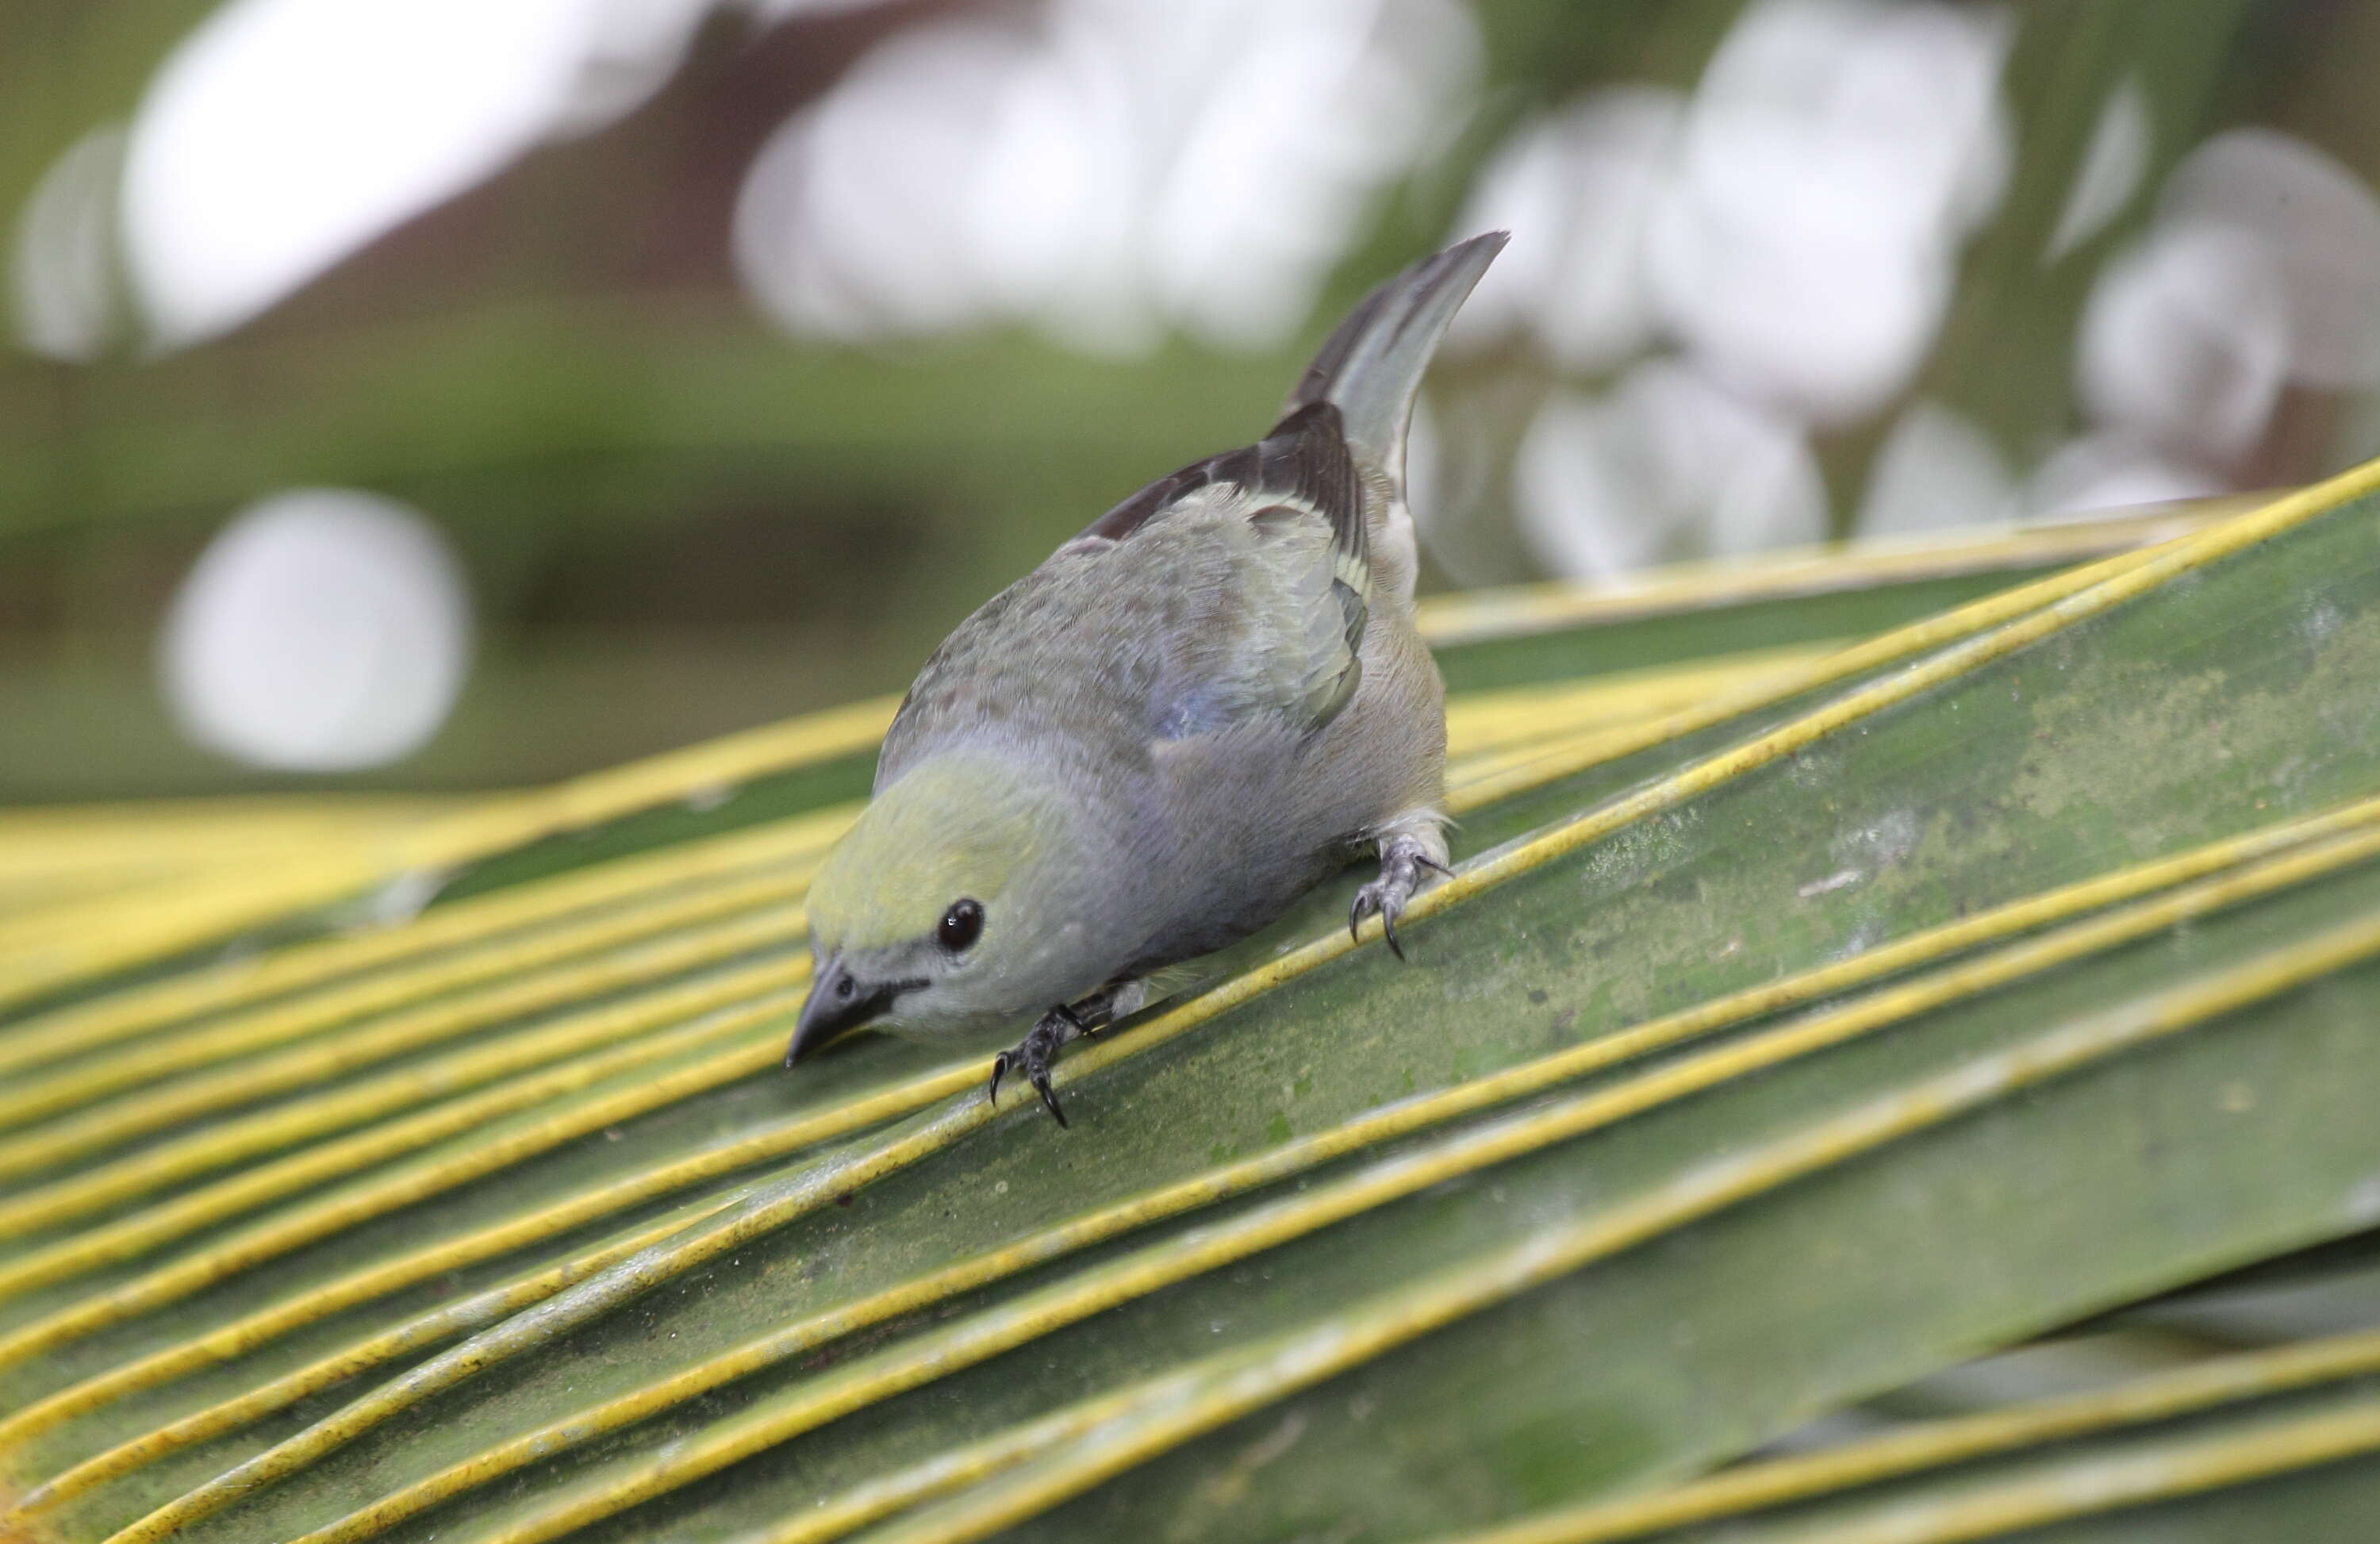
(1150, 746)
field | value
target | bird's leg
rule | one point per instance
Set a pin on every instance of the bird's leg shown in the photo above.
(1405, 850)
(1031, 1056)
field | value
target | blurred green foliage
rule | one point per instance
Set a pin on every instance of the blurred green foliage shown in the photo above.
(678, 522)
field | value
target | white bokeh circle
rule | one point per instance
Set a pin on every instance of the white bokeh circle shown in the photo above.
(1835, 154)
(2321, 228)
(280, 136)
(1668, 466)
(1936, 470)
(64, 275)
(324, 629)
(1109, 171)
(2185, 342)
(1575, 189)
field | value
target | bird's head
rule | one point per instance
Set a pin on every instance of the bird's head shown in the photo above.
(953, 902)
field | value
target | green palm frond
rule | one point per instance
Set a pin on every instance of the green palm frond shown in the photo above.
(1859, 962)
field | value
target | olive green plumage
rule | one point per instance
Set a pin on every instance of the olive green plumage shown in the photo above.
(1155, 742)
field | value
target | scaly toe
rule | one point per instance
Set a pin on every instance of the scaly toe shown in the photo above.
(1030, 1057)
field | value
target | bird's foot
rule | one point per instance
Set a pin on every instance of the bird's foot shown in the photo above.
(1403, 858)
(1030, 1058)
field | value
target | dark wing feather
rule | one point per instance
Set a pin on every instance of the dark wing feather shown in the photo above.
(1303, 470)
(1303, 460)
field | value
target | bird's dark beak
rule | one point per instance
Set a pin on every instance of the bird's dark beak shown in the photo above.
(838, 1004)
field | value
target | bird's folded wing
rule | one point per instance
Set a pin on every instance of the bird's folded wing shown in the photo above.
(1231, 594)
(1266, 550)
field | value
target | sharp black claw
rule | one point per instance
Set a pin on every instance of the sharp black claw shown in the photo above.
(1366, 905)
(1400, 871)
(1030, 1057)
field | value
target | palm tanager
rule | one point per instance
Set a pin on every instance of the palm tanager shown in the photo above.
(1153, 744)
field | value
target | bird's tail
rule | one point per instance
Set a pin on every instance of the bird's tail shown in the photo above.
(1370, 368)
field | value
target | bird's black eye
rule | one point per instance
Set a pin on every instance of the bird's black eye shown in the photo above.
(960, 926)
